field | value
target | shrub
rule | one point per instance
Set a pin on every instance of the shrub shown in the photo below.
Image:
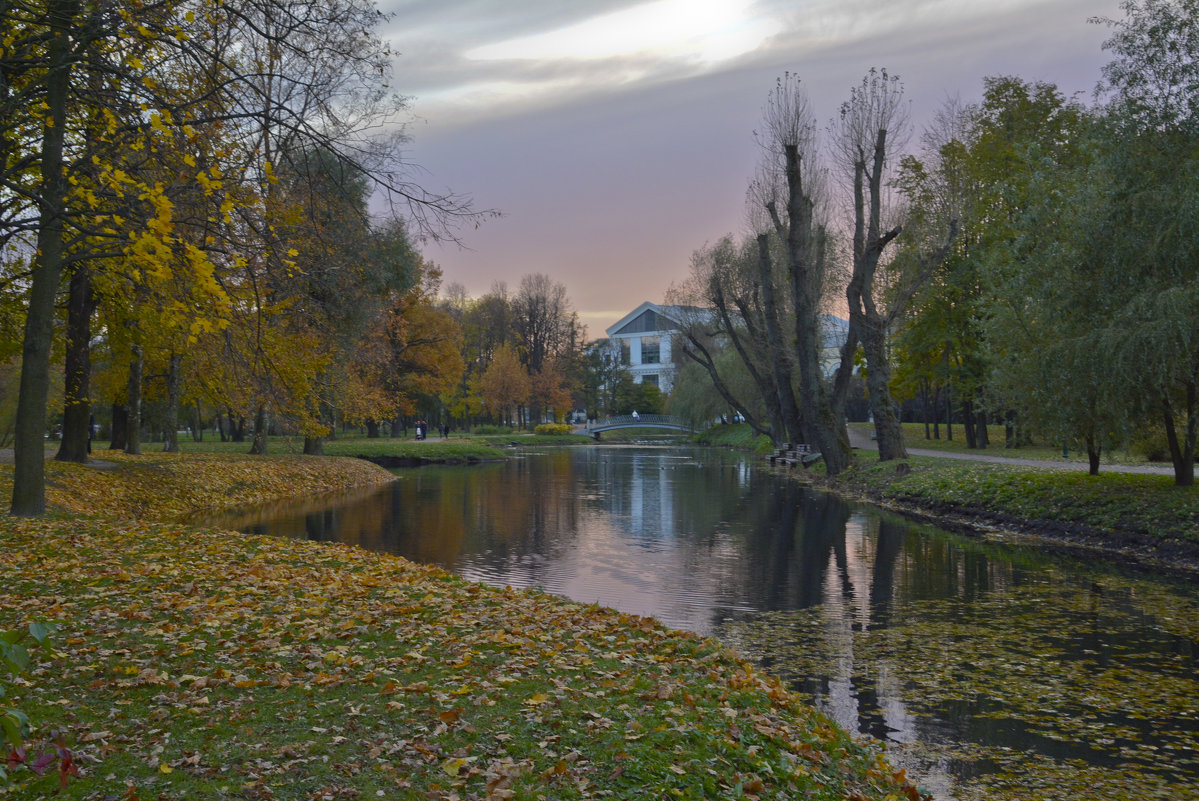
(492, 430)
(556, 429)
(1152, 444)
(14, 724)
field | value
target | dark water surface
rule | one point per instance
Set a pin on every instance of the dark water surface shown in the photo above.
(989, 671)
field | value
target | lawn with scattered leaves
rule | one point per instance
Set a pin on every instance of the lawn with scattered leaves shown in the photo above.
(193, 663)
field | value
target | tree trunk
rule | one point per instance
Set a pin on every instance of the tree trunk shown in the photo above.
(1093, 454)
(77, 408)
(779, 363)
(133, 435)
(968, 423)
(314, 446)
(258, 446)
(704, 359)
(764, 383)
(868, 244)
(887, 428)
(936, 412)
(197, 424)
(237, 428)
(1182, 451)
(174, 378)
(925, 408)
(372, 429)
(822, 428)
(29, 470)
(949, 412)
(983, 436)
(120, 427)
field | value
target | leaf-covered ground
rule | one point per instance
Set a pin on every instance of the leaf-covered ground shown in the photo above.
(168, 486)
(193, 663)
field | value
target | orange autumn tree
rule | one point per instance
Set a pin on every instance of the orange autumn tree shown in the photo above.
(550, 389)
(504, 385)
(413, 351)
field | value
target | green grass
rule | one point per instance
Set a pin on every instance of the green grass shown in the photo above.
(1113, 502)
(525, 440)
(739, 435)
(455, 450)
(913, 434)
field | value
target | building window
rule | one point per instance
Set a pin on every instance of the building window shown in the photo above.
(625, 356)
(650, 378)
(650, 350)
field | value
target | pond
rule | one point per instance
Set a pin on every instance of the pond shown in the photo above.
(988, 671)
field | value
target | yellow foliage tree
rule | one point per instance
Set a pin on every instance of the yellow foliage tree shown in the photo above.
(504, 385)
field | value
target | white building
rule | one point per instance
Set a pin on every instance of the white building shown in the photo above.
(641, 340)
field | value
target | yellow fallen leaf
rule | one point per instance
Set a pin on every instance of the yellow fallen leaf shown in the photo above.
(455, 764)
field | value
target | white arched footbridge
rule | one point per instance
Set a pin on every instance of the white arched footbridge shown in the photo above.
(629, 421)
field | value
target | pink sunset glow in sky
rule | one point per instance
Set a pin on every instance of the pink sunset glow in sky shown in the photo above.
(616, 136)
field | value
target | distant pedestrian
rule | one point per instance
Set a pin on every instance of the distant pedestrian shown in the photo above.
(635, 415)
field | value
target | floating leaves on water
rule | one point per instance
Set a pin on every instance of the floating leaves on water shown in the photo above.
(1045, 683)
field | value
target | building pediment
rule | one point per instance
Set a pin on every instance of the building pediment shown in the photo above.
(649, 318)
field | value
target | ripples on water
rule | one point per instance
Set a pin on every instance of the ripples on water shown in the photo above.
(990, 672)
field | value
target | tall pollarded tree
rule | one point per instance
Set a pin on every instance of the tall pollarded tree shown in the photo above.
(789, 135)
(872, 125)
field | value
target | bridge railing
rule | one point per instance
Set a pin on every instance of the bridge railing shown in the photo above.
(619, 420)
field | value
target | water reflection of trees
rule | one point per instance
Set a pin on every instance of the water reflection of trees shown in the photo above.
(907, 634)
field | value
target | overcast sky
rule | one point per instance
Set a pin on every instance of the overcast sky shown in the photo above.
(616, 136)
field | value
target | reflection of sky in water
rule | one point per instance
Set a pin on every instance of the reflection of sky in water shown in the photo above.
(857, 609)
(628, 552)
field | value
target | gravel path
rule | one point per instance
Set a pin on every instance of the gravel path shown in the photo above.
(862, 441)
(6, 457)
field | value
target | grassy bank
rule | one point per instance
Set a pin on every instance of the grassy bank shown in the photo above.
(431, 451)
(1135, 506)
(523, 440)
(1144, 516)
(739, 436)
(192, 663)
(164, 486)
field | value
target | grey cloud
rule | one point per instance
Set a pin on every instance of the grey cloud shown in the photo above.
(480, 22)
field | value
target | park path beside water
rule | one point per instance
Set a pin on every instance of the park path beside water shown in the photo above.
(862, 441)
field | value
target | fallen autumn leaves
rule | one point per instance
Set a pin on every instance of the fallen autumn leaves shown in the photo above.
(207, 664)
